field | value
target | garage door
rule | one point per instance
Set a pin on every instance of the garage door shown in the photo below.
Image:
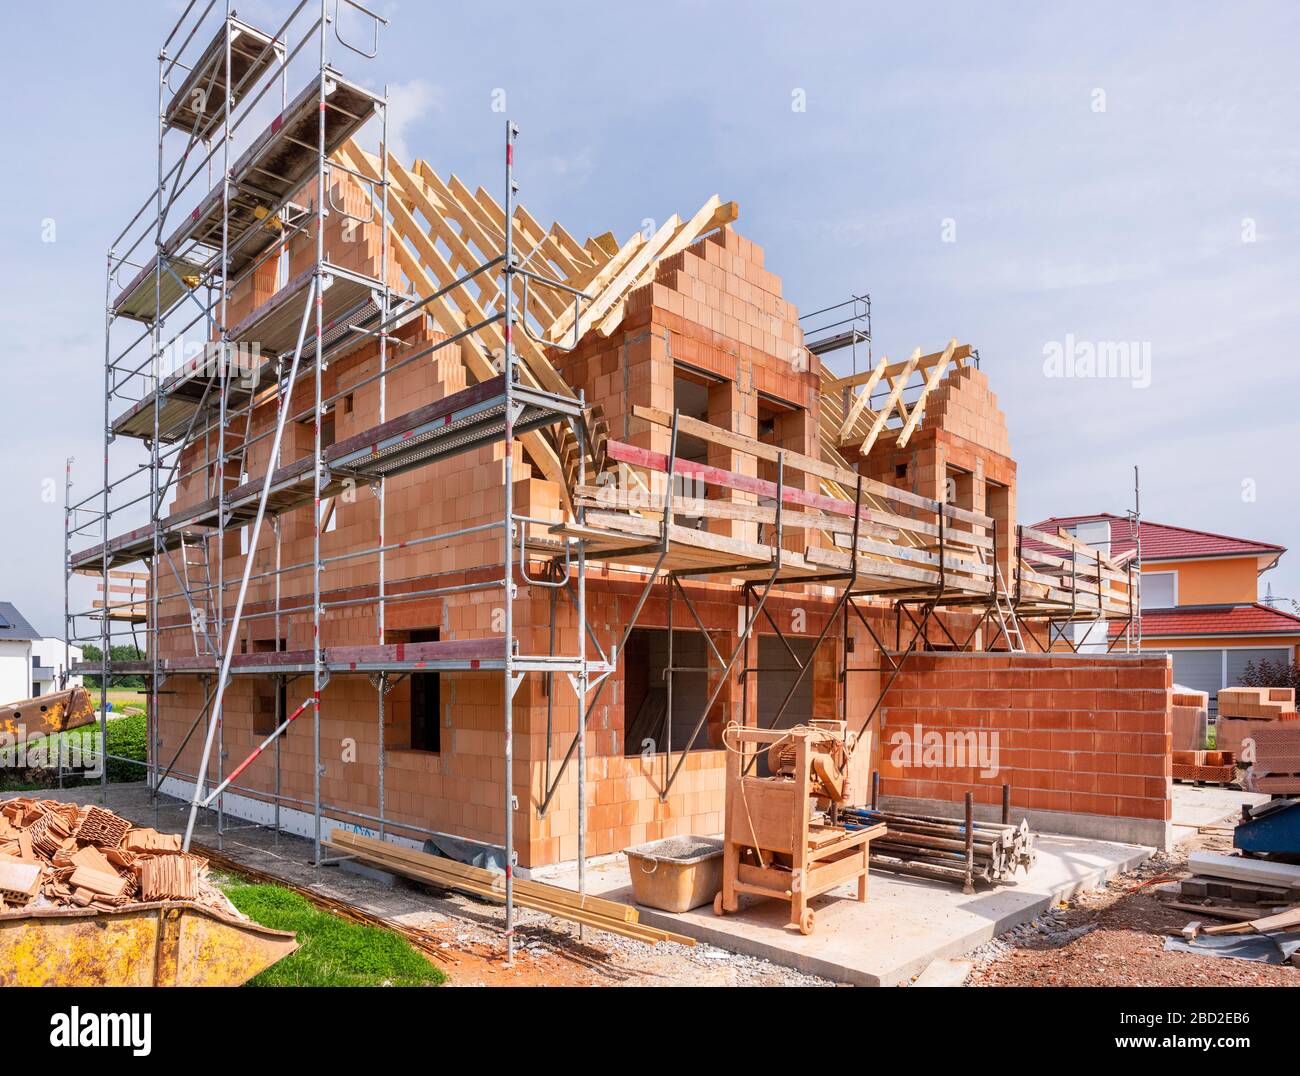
(1239, 659)
(1204, 670)
(1201, 670)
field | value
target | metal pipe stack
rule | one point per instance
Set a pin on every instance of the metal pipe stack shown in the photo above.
(933, 847)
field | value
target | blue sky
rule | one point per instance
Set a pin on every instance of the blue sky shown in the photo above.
(1168, 217)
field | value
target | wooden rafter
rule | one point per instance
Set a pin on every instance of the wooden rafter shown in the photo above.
(896, 383)
(918, 405)
(862, 425)
(862, 399)
(634, 265)
(441, 230)
(428, 270)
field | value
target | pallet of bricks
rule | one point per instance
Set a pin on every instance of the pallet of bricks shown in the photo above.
(1190, 710)
(60, 855)
(1275, 768)
(1205, 767)
(1191, 761)
(1243, 711)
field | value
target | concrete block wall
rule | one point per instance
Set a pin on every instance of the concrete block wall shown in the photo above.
(1084, 741)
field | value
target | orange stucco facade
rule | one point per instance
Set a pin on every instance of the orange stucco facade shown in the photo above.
(1214, 581)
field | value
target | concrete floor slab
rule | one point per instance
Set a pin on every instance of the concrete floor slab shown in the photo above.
(945, 973)
(1208, 805)
(905, 925)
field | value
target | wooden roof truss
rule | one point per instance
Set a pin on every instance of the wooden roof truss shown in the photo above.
(441, 232)
(849, 419)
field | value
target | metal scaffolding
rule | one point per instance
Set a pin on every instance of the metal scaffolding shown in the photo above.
(181, 277)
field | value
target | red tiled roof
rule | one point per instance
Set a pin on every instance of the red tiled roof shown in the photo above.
(1215, 620)
(1161, 541)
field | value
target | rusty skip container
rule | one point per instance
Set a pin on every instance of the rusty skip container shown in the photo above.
(168, 943)
(60, 711)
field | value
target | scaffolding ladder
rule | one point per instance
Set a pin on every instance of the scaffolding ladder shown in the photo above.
(1005, 611)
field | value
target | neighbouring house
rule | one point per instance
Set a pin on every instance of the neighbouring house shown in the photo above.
(1199, 597)
(17, 637)
(50, 660)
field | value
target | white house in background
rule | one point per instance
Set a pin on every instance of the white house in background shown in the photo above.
(16, 639)
(50, 658)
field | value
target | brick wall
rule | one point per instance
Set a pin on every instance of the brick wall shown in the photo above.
(716, 309)
(1084, 741)
(961, 455)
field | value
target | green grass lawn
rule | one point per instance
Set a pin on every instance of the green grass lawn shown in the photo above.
(127, 739)
(331, 951)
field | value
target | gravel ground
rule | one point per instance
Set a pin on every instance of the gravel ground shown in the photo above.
(552, 954)
(1115, 936)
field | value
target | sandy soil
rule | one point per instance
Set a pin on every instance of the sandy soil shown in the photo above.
(1115, 936)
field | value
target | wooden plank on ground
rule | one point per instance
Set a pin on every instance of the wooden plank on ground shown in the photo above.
(562, 903)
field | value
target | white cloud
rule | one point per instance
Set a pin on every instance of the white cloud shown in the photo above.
(409, 105)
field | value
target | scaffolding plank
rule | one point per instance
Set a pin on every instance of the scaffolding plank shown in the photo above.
(140, 299)
(843, 476)
(135, 545)
(459, 423)
(620, 452)
(198, 105)
(349, 301)
(277, 163)
(455, 424)
(183, 392)
(467, 655)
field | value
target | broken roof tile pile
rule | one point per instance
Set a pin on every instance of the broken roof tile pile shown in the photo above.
(60, 855)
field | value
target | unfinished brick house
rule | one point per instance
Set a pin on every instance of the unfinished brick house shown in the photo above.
(516, 470)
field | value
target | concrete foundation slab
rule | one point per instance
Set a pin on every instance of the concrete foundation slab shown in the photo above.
(945, 973)
(1207, 806)
(906, 924)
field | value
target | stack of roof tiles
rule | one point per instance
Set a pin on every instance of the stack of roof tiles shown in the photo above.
(55, 854)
